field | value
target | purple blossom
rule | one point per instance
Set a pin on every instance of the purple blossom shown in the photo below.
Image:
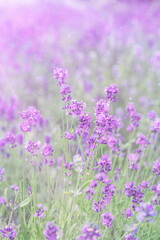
(111, 93)
(135, 117)
(8, 232)
(105, 164)
(50, 232)
(156, 167)
(128, 213)
(145, 184)
(2, 200)
(107, 219)
(155, 127)
(146, 212)
(152, 115)
(134, 192)
(11, 139)
(130, 236)
(40, 211)
(33, 147)
(60, 75)
(84, 124)
(30, 118)
(47, 150)
(93, 183)
(142, 141)
(75, 108)
(90, 192)
(2, 171)
(19, 138)
(89, 232)
(14, 187)
(69, 136)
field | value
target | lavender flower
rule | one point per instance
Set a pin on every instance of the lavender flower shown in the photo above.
(89, 232)
(146, 212)
(156, 167)
(107, 219)
(8, 232)
(40, 211)
(111, 92)
(50, 232)
(2, 171)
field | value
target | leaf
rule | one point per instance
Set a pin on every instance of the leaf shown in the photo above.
(25, 202)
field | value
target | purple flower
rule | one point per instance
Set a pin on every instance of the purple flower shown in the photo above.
(152, 115)
(19, 138)
(142, 141)
(29, 190)
(93, 183)
(14, 187)
(130, 236)
(155, 127)
(146, 212)
(9, 232)
(111, 92)
(11, 139)
(84, 125)
(50, 232)
(89, 232)
(30, 118)
(107, 219)
(135, 117)
(75, 108)
(40, 211)
(105, 164)
(90, 192)
(60, 75)
(69, 136)
(134, 192)
(47, 150)
(2, 200)
(33, 147)
(128, 213)
(2, 171)
(145, 184)
(156, 167)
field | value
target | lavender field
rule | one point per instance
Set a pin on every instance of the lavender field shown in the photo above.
(80, 120)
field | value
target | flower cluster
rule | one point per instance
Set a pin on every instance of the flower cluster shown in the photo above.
(33, 147)
(50, 232)
(146, 212)
(135, 117)
(107, 219)
(156, 167)
(30, 118)
(40, 211)
(134, 192)
(111, 93)
(89, 232)
(9, 232)
(2, 171)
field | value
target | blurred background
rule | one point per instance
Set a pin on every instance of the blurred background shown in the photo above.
(98, 42)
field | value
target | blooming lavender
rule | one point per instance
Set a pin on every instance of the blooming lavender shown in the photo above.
(146, 212)
(2, 171)
(111, 93)
(50, 232)
(33, 147)
(107, 219)
(30, 118)
(8, 232)
(89, 232)
(156, 167)
(40, 211)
